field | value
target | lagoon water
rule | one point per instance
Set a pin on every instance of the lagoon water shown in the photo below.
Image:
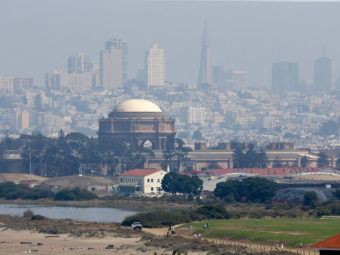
(96, 214)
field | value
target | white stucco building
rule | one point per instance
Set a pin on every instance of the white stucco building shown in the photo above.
(142, 181)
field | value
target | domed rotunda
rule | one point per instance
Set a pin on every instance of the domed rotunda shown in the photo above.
(140, 119)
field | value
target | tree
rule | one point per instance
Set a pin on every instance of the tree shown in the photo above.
(175, 154)
(337, 194)
(249, 159)
(255, 189)
(310, 199)
(277, 163)
(304, 161)
(184, 184)
(337, 163)
(323, 159)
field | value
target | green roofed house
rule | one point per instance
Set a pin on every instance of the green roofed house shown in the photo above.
(330, 246)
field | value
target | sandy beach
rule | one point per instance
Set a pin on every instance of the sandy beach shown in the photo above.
(27, 242)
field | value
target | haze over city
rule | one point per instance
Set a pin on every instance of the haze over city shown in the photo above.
(169, 127)
(40, 35)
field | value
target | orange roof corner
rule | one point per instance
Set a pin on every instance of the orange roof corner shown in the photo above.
(331, 243)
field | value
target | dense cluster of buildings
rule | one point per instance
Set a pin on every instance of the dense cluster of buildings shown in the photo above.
(220, 107)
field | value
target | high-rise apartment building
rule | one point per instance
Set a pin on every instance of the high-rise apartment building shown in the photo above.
(113, 64)
(155, 66)
(230, 79)
(79, 63)
(323, 74)
(285, 77)
(239, 79)
(205, 74)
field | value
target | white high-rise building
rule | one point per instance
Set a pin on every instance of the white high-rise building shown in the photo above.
(155, 66)
(79, 63)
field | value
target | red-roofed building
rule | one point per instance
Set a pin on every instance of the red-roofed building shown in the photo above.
(330, 246)
(141, 181)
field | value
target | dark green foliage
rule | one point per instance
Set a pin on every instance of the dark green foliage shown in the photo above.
(255, 189)
(179, 183)
(249, 159)
(63, 155)
(323, 159)
(337, 194)
(166, 218)
(175, 154)
(10, 191)
(74, 194)
(337, 163)
(310, 199)
(304, 161)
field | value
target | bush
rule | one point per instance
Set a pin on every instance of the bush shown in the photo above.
(74, 194)
(310, 199)
(166, 218)
(28, 214)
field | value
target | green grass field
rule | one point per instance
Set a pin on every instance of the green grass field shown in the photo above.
(292, 232)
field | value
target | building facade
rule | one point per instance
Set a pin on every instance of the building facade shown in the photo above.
(113, 64)
(323, 74)
(205, 73)
(79, 63)
(140, 120)
(155, 66)
(285, 77)
(142, 181)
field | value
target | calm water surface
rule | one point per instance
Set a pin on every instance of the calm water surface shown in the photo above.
(76, 213)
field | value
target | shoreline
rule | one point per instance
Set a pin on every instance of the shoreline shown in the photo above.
(125, 204)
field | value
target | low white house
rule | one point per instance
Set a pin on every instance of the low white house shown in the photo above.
(142, 181)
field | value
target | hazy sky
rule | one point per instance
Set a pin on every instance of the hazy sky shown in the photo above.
(39, 35)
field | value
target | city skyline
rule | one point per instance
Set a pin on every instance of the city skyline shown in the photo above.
(236, 40)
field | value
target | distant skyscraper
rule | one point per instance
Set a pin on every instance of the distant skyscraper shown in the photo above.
(323, 73)
(155, 66)
(205, 75)
(113, 64)
(79, 63)
(239, 79)
(285, 77)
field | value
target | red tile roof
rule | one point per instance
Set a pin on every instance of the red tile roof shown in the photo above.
(140, 172)
(330, 243)
(263, 171)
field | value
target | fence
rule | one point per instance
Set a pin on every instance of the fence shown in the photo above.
(262, 249)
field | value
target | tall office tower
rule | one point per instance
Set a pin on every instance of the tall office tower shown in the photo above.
(285, 77)
(323, 73)
(239, 79)
(113, 64)
(155, 66)
(53, 79)
(79, 63)
(205, 74)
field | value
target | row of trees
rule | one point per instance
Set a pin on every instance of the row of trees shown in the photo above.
(10, 191)
(248, 158)
(63, 155)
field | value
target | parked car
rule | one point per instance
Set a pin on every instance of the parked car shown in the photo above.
(137, 226)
